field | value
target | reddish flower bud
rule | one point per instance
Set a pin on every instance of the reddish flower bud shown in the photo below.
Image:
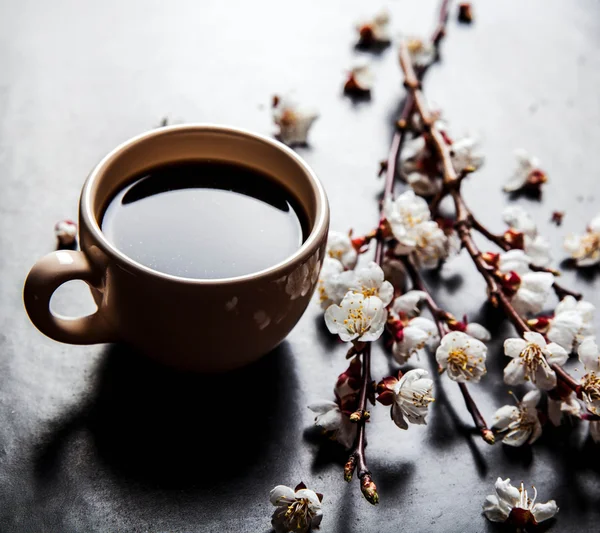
(536, 178)
(557, 217)
(457, 325)
(366, 34)
(349, 468)
(386, 397)
(539, 324)
(387, 383)
(520, 517)
(369, 489)
(491, 258)
(514, 238)
(510, 281)
(465, 12)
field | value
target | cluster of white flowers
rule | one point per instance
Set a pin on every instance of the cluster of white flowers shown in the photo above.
(585, 249)
(528, 173)
(572, 322)
(410, 222)
(294, 121)
(535, 245)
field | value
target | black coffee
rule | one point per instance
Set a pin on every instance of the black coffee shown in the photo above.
(205, 220)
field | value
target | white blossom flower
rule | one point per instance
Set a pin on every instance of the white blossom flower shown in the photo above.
(374, 30)
(595, 430)
(519, 218)
(569, 405)
(527, 174)
(462, 356)
(465, 154)
(531, 360)
(334, 423)
(360, 79)
(585, 249)
(339, 246)
(538, 249)
(418, 334)
(432, 244)
(514, 261)
(357, 318)
(66, 232)
(404, 215)
(423, 184)
(297, 510)
(513, 505)
(328, 289)
(519, 424)
(573, 321)
(369, 281)
(533, 292)
(408, 304)
(409, 395)
(422, 52)
(589, 355)
(535, 246)
(294, 122)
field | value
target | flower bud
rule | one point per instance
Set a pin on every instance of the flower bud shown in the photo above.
(369, 489)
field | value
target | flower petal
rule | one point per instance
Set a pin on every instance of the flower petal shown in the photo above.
(514, 372)
(504, 416)
(478, 332)
(558, 355)
(398, 417)
(492, 509)
(544, 511)
(281, 493)
(589, 354)
(514, 347)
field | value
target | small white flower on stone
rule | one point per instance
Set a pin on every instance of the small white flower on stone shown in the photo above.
(333, 422)
(531, 360)
(589, 355)
(519, 424)
(585, 249)
(408, 304)
(465, 154)
(573, 321)
(294, 122)
(462, 356)
(538, 249)
(404, 215)
(533, 292)
(360, 79)
(412, 396)
(527, 173)
(374, 30)
(339, 246)
(357, 318)
(66, 232)
(513, 505)
(418, 334)
(422, 52)
(297, 510)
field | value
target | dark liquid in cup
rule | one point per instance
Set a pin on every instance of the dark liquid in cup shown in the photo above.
(205, 220)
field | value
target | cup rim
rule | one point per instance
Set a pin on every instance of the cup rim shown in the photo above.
(301, 255)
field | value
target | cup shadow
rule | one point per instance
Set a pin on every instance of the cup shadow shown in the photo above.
(173, 430)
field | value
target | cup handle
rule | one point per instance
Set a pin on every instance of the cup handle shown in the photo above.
(43, 279)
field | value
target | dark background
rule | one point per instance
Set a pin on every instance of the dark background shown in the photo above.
(96, 439)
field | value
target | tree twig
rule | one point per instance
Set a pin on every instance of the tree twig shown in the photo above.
(440, 317)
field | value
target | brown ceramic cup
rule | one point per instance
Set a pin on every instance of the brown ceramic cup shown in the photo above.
(194, 324)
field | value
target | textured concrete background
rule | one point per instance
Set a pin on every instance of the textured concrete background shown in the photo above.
(95, 439)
